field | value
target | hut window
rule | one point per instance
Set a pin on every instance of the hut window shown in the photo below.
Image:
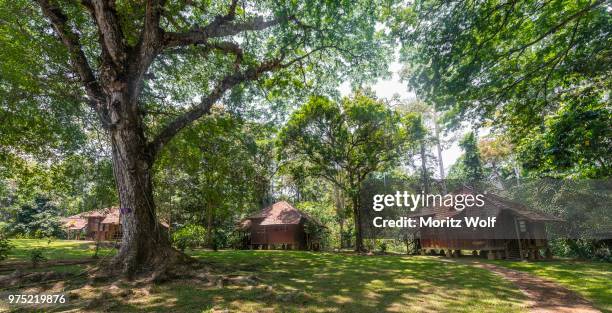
(522, 226)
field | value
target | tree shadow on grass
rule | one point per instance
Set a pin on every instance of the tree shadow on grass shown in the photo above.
(304, 281)
(314, 282)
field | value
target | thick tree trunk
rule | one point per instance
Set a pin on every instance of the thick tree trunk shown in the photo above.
(145, 246)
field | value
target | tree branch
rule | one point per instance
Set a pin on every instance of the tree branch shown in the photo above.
(203, 108)
(149, 42)
(71, 40)
(216, 29)
(555, 28)
(109, 29)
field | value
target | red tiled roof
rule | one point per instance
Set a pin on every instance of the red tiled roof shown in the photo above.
(74, 223)
(112, 217)
(100, 212)
(280, 213)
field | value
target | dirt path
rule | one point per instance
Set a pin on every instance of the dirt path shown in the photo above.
(544, 296)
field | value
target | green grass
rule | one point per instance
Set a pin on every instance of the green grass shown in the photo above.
(54, 250)
(323, 282)
(593, 280)
(297, 281)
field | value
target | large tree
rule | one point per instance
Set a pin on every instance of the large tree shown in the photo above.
(128, 60)
(343, 142)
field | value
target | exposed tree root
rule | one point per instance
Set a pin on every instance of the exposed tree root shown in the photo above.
(19, 278)
(174, 265)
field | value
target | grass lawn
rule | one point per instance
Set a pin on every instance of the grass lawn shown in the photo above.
(592, 280)
(324, 282)
(54, 250)
(295, 281)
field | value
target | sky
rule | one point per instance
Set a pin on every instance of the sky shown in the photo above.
(387, 88)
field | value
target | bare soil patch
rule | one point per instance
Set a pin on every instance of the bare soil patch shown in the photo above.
(544, 295)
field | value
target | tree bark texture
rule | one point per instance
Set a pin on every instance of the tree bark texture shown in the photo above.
(145, 245)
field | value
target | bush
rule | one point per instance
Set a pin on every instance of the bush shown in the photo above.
(38, 220)
(603, 254)
(190, 236)
(382, 247)
(37, 257)
(5, 247)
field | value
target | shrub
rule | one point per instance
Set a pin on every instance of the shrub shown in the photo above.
(38, 220)
(36, 257)
(382, 247)
(603, 254)
(190, 236)
(5, 247)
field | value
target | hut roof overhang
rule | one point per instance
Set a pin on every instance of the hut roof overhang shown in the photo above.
(494, 205)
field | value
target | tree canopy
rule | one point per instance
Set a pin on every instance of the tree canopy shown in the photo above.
(343, 142)
(536, 69)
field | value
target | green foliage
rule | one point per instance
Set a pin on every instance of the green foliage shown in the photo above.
(318, 41)
(382, 246)
(5, 246)
(324, 230)
(260, 58)
(74, 184)
(214, 172)
(472, 164)
(468, 168)
(537, 70)
(42, 219)
(575, 143)
(603, 254)
(343, 142)
(36, 257)
(189, 236)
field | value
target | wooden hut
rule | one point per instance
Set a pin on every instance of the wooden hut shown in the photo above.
(279, 226)
(99, 225)
(519, 232)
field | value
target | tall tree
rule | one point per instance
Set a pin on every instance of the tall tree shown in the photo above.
(471, 161)
(129, 60)
(344, 143)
